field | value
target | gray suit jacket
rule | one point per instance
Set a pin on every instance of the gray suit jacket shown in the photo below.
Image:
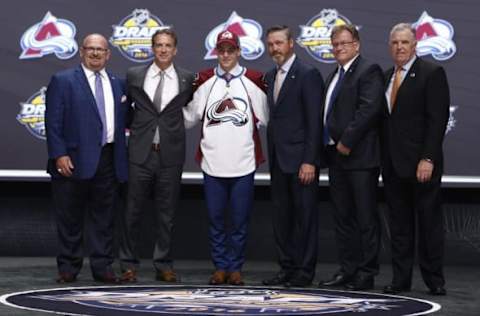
(144, 119)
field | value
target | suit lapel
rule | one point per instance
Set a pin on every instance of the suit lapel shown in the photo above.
(287, 83)
(137, 81)
(82, 79)
(117, 96)
(270, 83)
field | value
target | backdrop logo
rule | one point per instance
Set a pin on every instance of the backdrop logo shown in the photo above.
(249, 33)
(133, 35)
(50, 36)
(315, 35)
(32, 114)
(452, 121)
(434, 37)
(198, 300)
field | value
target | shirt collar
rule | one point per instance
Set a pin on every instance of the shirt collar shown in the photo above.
(288, 64)
(154, 70)
(90, 73)
(408, 65)
(235, 71)
(349, 64)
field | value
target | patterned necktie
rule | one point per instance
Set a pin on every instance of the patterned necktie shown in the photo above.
(157, 101)
(397, 81)
(278, 84)
(331, 102)
(100, 100)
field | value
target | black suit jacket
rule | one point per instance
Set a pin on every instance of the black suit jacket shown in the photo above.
(294, 128)
(416, 127)
(355, 116)
(145, 119)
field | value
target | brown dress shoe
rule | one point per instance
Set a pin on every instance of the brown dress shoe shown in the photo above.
(129, 276)
(235, 278)
(218, 277)
(166, 276)
(65, 277)
(108, 277)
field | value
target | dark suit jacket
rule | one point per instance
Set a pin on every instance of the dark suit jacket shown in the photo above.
(145, 118)
(355, 116)
(416, 127)
(294, 128)
(74, 126)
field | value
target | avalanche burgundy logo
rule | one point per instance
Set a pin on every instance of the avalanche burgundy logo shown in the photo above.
(50, 36)
(228, 109)
(434, 37)
(248, 31)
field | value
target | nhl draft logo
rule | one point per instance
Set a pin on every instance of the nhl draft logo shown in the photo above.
(197, 300)
(133, 35)
(32, 114)
(248, 31)
(315, 35)
(452, 121)
(50, 36)
(434, 37)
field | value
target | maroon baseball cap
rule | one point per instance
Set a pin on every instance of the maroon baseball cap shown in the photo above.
(228, 37)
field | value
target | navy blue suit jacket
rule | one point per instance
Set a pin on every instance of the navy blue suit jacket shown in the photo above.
(74, 127)
(294, 130)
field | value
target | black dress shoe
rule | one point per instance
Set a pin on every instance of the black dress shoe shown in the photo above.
(279, 279)
(438, 291)
(337, 280)
(65, 277)
(395, 289)
(360, 283)
(298, 281)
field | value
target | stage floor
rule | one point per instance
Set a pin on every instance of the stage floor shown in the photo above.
(29, 273)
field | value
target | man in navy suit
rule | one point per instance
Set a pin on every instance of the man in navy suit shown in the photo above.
(353, 103)
(85, 122)
(415, 119)
(295, 94)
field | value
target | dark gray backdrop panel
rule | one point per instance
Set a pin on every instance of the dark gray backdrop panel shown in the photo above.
(193, 20)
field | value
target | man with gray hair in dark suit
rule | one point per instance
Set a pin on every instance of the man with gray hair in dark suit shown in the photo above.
(158, 92)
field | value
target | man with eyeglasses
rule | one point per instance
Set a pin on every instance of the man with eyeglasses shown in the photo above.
(351, 114)
(231, 104)
(85, 123)
(156, 151)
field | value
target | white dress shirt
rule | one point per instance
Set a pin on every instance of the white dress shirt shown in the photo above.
(405, 70)
(282, 72)
(108, 95)
(170, 84)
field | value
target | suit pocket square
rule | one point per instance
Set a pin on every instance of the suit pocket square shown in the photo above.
(123, 99)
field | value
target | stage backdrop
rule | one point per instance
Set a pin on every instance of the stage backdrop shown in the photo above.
(43, 37)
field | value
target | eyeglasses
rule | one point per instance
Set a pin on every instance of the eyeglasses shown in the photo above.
(99, 50)
(342, 44)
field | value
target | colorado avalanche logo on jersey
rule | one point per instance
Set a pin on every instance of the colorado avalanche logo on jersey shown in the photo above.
(228, 109)
(133, 35)
(434, 37)
(50, 36)
(32, 114)
(248, 31)
(315, 35)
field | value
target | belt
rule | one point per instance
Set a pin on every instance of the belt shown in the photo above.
(155, 147)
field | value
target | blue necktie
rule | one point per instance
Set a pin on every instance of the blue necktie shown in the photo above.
(100, 99)
(336, 89)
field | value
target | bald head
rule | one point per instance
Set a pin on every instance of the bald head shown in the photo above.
(94, 52)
